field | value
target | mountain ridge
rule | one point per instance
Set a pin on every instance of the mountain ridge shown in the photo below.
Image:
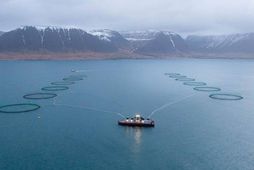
(52, 39)
(222, 43)
(155, 43)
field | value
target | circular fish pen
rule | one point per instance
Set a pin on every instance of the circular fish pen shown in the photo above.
(80, 75)
(194, 83)
(19, 108)
(57, 83)
(185, 79)
(177, 76)
(55, 88)
(207, 89)
(37, 96)
(225, 96)
(172, 74)
(72, 79)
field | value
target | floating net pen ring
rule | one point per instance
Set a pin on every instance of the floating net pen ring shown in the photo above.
(63, 83)
(72, 79)
(81, 76)
(177, 76)
(225, 96)
(11, 108)
(172, 74)
(207, 89)
(39, 96)
(194, 83)
(55, 88)
(185, 79)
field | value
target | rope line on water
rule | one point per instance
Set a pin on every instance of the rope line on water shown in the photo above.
(118, 113)
(88, 108)
(168, 104)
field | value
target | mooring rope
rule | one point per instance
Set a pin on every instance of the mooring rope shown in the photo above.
(86, 107)
(118, 113)
(168, 104)
(89, 108)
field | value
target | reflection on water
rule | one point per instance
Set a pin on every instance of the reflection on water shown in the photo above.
(136, 134)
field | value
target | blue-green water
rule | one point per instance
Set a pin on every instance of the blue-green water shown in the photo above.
(194, 132)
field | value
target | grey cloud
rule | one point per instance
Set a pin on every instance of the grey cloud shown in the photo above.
(182, 16)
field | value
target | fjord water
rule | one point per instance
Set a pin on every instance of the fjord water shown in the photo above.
(194, 132)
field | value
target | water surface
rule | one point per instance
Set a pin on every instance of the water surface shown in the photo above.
(194, 132)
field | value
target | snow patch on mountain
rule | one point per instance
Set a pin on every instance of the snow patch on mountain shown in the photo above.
(219, 41)
(172, 42)
(145, 35)
(103, 34)
(43, 28)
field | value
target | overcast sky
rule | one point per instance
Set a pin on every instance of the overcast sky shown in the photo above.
(181, 16)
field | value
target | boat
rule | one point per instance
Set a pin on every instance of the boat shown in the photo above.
(137, 120)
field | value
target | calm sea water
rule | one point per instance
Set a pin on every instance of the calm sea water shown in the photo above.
(193, 132)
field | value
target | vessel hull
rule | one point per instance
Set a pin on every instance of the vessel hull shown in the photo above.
(124, 123)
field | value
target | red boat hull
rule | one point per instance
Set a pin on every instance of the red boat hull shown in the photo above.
(139, 124)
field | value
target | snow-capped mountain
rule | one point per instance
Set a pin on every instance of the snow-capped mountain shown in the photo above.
(224, 43)
(154, 42)
(159, 42)
(1, 32)
(52, 39)
(139, 35)
(110, 36)
(143, 35)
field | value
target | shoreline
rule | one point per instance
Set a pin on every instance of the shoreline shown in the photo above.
(115, 56)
